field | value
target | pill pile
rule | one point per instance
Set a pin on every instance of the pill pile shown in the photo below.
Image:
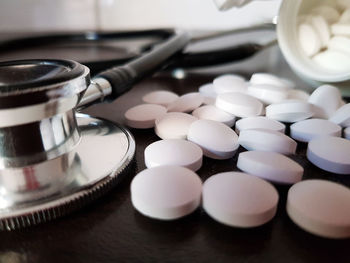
(324, 35)
(232, 112)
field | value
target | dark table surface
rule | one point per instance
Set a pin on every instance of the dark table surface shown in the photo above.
(110, 230)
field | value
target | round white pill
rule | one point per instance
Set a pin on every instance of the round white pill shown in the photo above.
(266, 140)
(309, 40)
(347, 133)
(297, 94)
(186, 103)
(290, 111)
(345, 17)
(210, 112)
(330, 154)
(303, 19)
(268, 93)
(174, 125)
(319, 113)
(166, 192)
(239, 104)
(322, 28)
(161, 97)
(209, 100)
(270, 166)
(288, 83)
(217, 140)
(174, 152)
(342, 29)
(259, 122)
(306, 130)
(333, 60)
(342, 116)
(340, 43)
(269, 79)
(320, 207)
(207, 90)
(344, 3)
(326, 97)
(327, 12)
(239, 199)
(229, 83)
(143, 116)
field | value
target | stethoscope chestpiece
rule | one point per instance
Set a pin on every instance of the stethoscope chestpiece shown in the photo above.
(37, 99)
(52, 161)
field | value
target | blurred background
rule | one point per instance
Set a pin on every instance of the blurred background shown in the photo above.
(73, 15)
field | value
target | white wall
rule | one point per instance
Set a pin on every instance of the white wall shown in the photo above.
(24, 15)
(189, 14)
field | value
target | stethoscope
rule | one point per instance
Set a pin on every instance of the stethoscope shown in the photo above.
(53, 159)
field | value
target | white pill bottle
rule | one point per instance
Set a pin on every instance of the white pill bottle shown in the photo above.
(288, 40)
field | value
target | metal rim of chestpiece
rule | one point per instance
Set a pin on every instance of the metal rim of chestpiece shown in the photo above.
(52, 160)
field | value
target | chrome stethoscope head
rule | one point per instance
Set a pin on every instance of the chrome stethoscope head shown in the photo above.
(52, 160)
(37, 99)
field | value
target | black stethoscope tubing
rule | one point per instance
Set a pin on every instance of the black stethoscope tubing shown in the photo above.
(167, 52)
(182, 60)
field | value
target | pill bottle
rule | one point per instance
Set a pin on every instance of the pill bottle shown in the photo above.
(289, 44)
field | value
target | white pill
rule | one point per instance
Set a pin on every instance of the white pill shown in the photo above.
(330, 154)
(290, 111)
(288, 83)
(268, 93)
(307, 130)
(186, 103)
(210, 112)
(326, 97)
(322, 28)
(239, 199)
(143, 116)
(344, 3)
(166, 192)
(174, 152)
(209, 101)
(161, 97)
(227, 78)
(297, 94)
(259, 122)
(217, 140)
(320, 207)
(270, 166)
(342, 116)
(319, 113)
(174, 125)
(347, 133)
(345, 17)
(269, 79)
(328, 12)
(333, 60)
(207, 90)
(229, 83)
(340, 43)
(239, 104)
(267, 140)
(303, 19)
(309, 39)
(342, 29)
